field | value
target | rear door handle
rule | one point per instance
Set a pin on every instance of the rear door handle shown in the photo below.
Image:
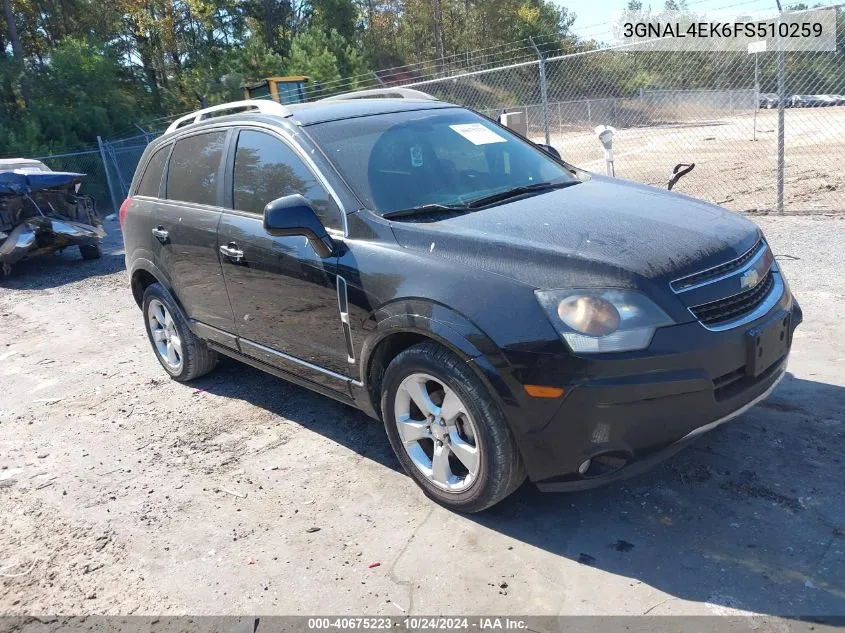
(232, 251)
(160, 233)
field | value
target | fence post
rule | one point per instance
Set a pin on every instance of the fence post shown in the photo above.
(756, 92)
(543, 92)
(781, 115)
(108, 175)
(781, 132)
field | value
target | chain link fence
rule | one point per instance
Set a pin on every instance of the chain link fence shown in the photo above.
(84, 162)
(122, 157)
(718, 110)
(109, 168)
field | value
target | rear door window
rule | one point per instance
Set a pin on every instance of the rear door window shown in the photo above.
(266, 169)
(194, 169)
(151, 180)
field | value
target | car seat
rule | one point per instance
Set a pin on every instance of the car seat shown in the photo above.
(404, 171)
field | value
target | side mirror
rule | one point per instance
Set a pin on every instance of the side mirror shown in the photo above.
(294, 215)
(549, 150)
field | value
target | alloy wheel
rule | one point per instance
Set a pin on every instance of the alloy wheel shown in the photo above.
(437, 432)
(165, 337)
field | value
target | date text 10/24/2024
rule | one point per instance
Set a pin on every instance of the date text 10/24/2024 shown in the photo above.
(418, 623)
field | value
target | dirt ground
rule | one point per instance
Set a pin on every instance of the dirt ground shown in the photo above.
(123, 492)
(731, 169)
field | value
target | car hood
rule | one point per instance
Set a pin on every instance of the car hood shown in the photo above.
(601, 231)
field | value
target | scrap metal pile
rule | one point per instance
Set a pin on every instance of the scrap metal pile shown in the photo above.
(41, 212)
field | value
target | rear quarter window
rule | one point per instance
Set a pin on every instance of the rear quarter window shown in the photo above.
(194, 168)
(150, 183)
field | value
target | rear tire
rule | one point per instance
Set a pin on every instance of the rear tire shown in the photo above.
(90, 251)
(182, 354)
(468, 462)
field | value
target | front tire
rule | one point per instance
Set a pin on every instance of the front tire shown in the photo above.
(182, 354)
(447, 431)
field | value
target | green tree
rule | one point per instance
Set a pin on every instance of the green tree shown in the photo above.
(325, 57)
(335, 15)
(81, 93)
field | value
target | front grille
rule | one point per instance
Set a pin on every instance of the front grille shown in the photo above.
(731, 308)
(722, 269)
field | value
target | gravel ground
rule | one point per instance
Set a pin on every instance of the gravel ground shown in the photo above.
(123, 492)
(731, 169)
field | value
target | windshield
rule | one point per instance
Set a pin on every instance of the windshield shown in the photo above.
(447, 156)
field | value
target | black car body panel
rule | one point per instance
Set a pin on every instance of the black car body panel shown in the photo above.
(284, 298)
(602, 224)
(467, 280)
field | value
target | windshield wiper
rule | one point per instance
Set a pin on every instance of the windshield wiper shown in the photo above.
(435, 207)
(518, 191)
(424, 209)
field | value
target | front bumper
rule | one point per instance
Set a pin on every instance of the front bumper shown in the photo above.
(39, 235)
(651, 459)
(627, 412)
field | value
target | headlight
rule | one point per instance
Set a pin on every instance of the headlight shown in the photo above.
(603, 320)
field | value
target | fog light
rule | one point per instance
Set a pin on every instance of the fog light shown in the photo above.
(584, 467)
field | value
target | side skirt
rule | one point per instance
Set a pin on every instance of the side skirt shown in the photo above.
(280, 373)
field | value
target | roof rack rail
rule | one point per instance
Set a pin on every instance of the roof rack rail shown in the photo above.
(263, 106)
(382, 93)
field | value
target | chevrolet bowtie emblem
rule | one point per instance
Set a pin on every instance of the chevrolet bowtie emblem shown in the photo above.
(749, 279)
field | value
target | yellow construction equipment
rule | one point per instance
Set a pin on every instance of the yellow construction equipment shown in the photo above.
(290, 89)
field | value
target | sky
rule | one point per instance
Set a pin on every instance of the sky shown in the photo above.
(594, 16)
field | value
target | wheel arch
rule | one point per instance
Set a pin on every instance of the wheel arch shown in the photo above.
(144, 274)
(397, 327)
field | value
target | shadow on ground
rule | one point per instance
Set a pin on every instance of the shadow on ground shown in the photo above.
(751, 517)
(320, 414)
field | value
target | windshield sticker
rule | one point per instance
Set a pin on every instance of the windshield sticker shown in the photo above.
(417, 155)
(477, 134)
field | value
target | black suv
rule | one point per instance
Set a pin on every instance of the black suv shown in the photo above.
(503, 312)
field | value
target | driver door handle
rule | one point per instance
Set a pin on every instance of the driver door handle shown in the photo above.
(232, 251)
(160, 233)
